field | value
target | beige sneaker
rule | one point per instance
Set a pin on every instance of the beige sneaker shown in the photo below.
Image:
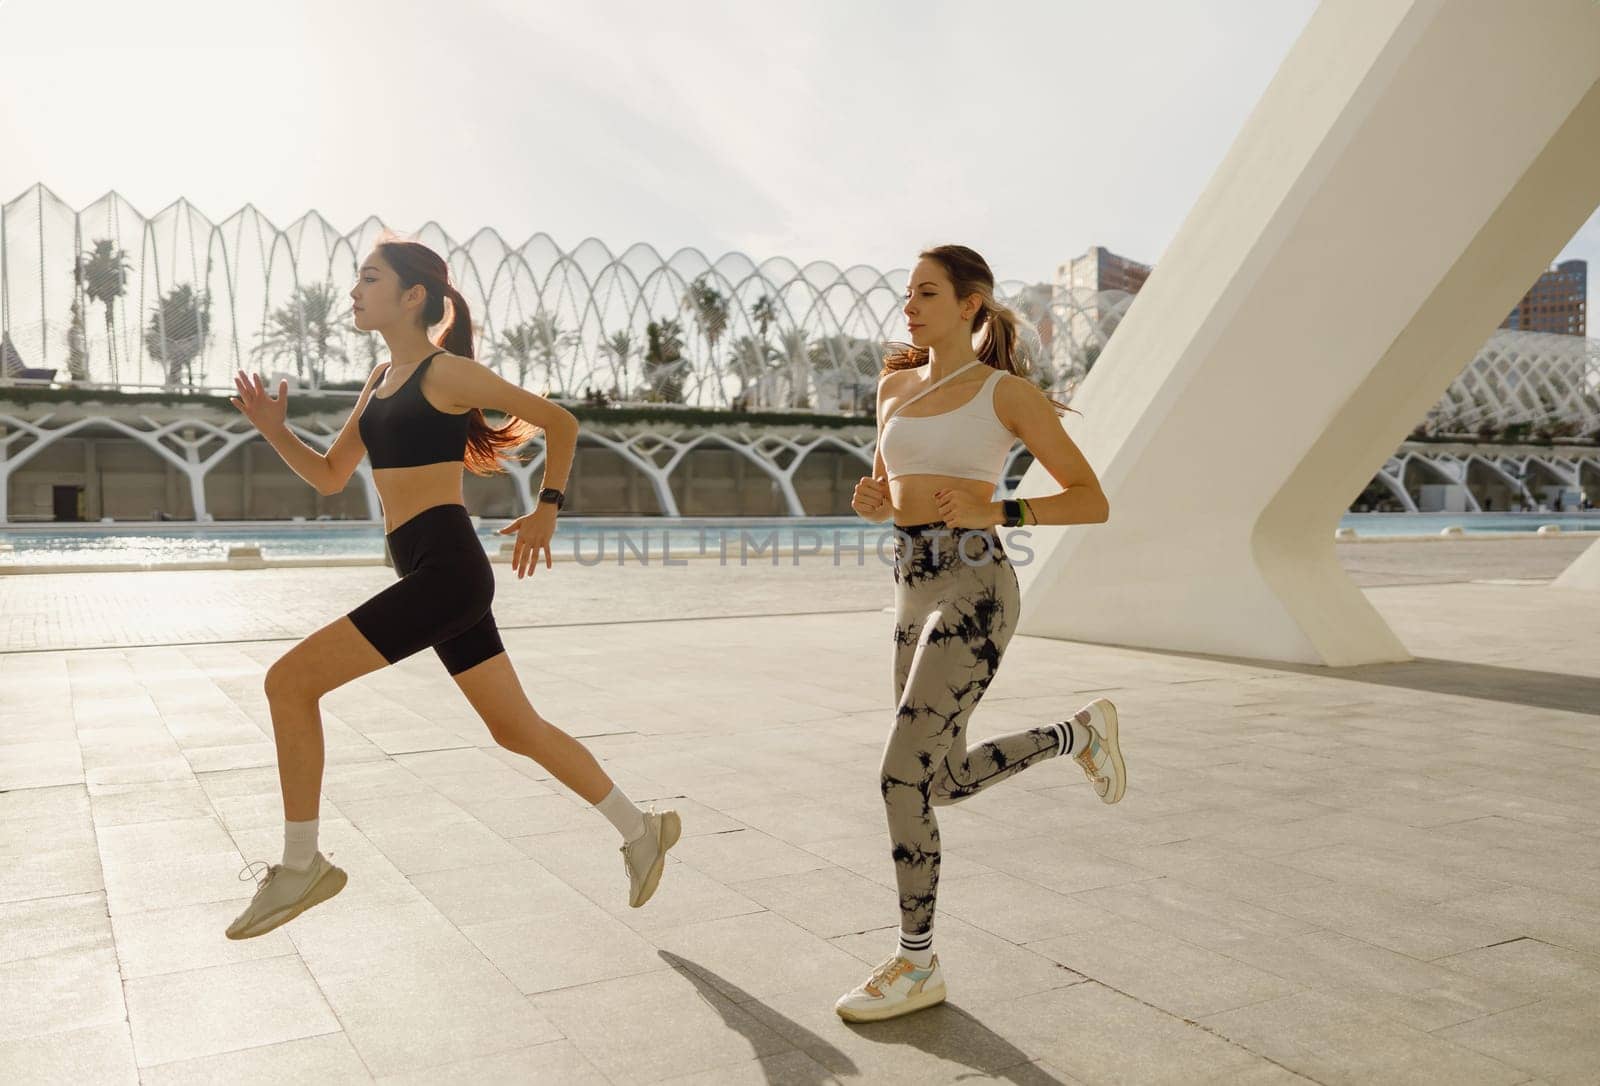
(646, 857)
(284, 893)
(1101, 758)
(896, 987)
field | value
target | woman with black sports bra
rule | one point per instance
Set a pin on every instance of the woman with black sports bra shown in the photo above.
(956, 593)
(420, 418)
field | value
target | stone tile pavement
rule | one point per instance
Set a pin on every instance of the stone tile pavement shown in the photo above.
(91, 610)
(1386, 874)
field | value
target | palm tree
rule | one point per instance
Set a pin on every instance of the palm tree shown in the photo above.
(549, 340)
(749, 358)
(764, 313)
(304, 327)
(619, 347)
(663, 361)
(710, 315)
(369, 347)
(77, 343)
(794, 354)
(102, 273)
(179, 326)
(517, 344)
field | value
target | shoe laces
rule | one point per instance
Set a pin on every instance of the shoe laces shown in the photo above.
(1086, 759)
(261, 877)
(645, 836)
(887, 973)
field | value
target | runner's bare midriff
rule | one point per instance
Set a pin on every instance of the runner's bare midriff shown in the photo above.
(405, 492)
(912, 496)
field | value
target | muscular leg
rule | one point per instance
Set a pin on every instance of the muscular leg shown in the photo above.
(985, 624)
(295, 683)
(496, 693)
(493, 689)
(938, 696)
(949, 639)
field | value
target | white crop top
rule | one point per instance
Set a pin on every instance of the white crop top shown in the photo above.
(969, 442)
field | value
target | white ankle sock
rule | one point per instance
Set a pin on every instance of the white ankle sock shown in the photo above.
(1074, 735)
(917, 949)
(299, 844)
(621, 813)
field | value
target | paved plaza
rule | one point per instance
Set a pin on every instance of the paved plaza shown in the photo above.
(1377, 874)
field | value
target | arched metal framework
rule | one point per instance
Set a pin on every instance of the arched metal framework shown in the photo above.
(768, 334)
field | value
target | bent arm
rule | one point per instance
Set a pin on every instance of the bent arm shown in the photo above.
(1026, 412)
(469, 384)
(330, 472)
(344, 455)
(303, 460)
(880, 470)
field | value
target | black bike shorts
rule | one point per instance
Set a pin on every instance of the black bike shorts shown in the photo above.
(442, 597)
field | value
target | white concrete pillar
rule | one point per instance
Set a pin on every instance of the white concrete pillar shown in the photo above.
(1584, 573)
(1411, 169)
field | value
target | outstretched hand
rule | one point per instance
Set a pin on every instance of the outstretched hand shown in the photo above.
(264, 411)
(533, 531)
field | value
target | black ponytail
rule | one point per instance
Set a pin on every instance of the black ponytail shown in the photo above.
(457, 337)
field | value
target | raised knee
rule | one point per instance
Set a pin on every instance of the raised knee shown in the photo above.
(944, 788)
(285, 682)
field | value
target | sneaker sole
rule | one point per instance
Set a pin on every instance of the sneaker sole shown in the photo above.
(1119, 780)
(910, 1006)
(324, 888)
(671, 828)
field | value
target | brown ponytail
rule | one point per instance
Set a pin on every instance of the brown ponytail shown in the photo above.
(415, 263)
(999, 345)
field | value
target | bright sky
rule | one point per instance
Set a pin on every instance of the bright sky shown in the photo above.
(856, 131)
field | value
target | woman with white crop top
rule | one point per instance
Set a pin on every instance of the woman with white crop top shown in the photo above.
(956, 594)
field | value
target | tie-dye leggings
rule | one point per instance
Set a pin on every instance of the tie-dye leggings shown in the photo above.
(954, 614)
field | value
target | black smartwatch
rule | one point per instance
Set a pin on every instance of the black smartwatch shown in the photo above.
(1012, 513)
(551, 494)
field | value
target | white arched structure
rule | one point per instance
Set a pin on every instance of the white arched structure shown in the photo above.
(549, 317)
(1452, 147)
(196, 445)
(1529, 379)
(173, 440)
(1518, 474)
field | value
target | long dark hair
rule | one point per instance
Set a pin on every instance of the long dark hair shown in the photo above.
(1000, 343)
(416, 264)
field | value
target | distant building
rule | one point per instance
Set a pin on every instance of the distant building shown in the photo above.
(1101, 269)
(1092, 293)
(1556, 303)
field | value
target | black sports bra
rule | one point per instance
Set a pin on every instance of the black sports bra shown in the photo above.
(404, 430)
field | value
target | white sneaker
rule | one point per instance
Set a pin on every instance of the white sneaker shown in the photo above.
(284, 894)
(896, 987)
(646, 857)
(1101, 757)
